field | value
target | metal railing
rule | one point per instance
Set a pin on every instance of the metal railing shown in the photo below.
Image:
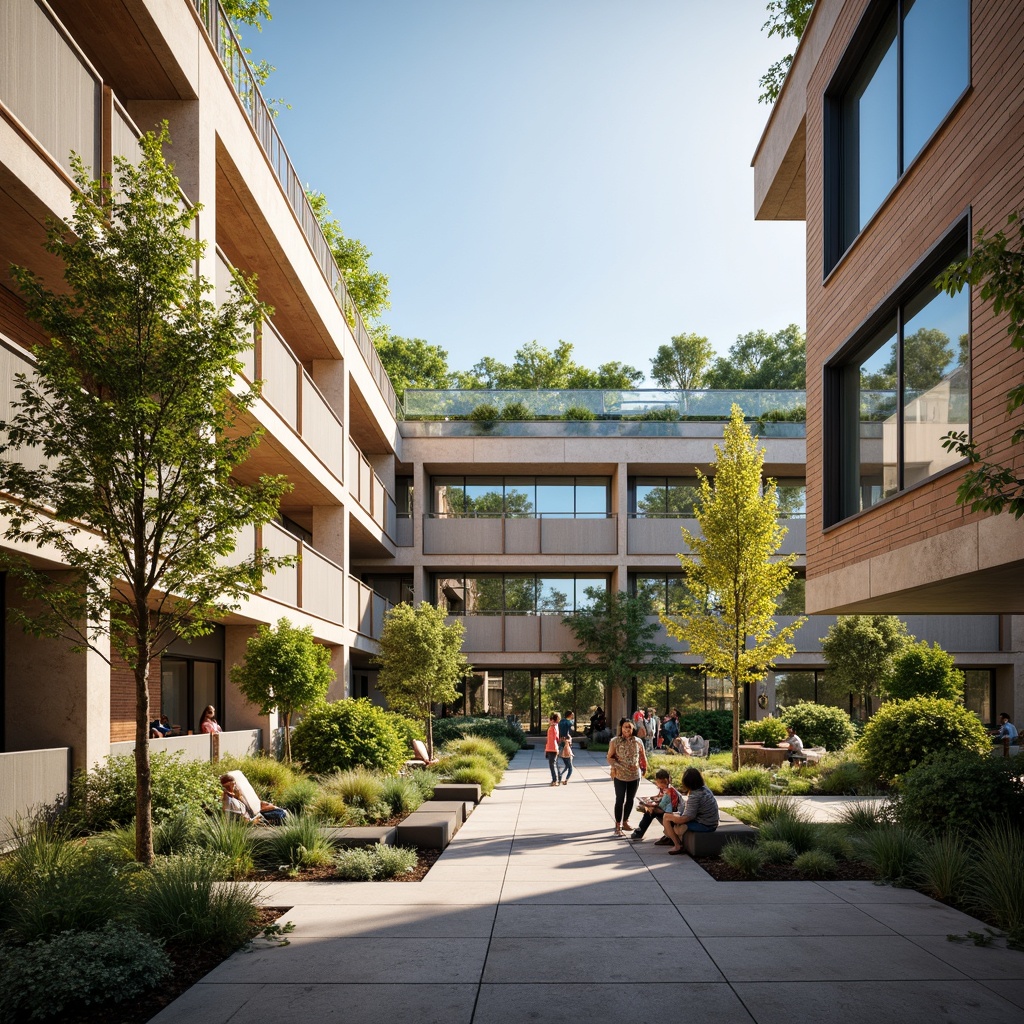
(369, 491)
(229, 51)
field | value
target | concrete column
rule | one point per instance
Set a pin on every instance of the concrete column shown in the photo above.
(420, 504)
(329, 377)
(56, 697)
(243, 715)
(330, 533)
(340, 689)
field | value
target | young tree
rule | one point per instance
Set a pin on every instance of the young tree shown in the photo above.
(286, 670)
(413, 363)
(616, 635)
(860, 650)
(736, 575)
(762, 360)
(681, 363)
(923, 671)
(421, 661)
(134, 435)
(992, 485)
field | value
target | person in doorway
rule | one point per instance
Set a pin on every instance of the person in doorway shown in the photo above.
(628, 759)
(700, 814)
(208, 720)
(551, 745)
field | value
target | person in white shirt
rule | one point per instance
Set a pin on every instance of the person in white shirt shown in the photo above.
(794, 745)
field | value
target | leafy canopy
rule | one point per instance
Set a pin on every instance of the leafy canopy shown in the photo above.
(920, 670)
(787, 19)
(284, 669)
(535, 366)
(413, 363)
(735, 575)
(682, 363)
(759, 360)
(860, 651)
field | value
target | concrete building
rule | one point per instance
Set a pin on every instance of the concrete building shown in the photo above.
(508, 524)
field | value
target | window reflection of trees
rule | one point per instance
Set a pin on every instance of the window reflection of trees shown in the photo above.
(516, 593)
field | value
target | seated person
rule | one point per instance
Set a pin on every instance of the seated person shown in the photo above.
(794, 745)
(159, 728)
(700, 814)
(1006, 731)
(680, 745)
(668, 799)
(242, 801)
(670, 729)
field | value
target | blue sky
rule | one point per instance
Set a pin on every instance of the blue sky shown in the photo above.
(573, 170)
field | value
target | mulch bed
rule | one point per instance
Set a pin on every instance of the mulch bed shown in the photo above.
(425, 860)
(847, 871)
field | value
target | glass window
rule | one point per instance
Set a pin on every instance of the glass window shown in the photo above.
(794, 688)
(451, 594)
(591, 497)
(555, 594)
(682, 495)
(979, 686)
(484, 595)
(792, 495)
(174, 693)
(592, 583)
(649, 498)
(555, 497)
(448, 496)
(651, 589)
(484, 496)
(520, 595)
(187, 685)
(403, 496)
(520, 493)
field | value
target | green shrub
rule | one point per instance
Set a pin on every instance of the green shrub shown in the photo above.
(357, 787)
(516, 411)
(393, 860)
(833, 839)
(446, 729)
(269, 777)
(356, 865)
(480, 747)
(769, 731)
(486, 412)
(765, 807)
(840, 774)
(402, 795)
(816, 864)
(106, 794)
(750, 779)
(819, 725)
(746, 859)
(298, 796)
(776, 851)
(425, 780)
(944, 867)
(113, 964)
(859, 817)
(578, 412)
(186, 900)
(479, 775)
(234, 840)
(331, 809)
(715, 726)
(892, 852)
(408, 728)
(298, 843)
(996, 886)
(793, 829)
(345, 734)
(960, 790)
(923, 671)
(902, 733)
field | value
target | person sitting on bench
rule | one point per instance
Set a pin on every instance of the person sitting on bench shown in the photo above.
(794, 745)
(700, 814)
(240, 799)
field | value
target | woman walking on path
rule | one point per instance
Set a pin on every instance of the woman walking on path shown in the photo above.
(629, 762)
(551, 746)
(565, 753)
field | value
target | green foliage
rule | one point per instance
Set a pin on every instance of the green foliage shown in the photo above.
(999, 270)
(833, 839)
(284, 669)
(402, 795)
(715, 726)
(892, 852)
(421, 661)
(408, 728)
(996, 887)
(746, 859)
(516, 411)
(269, 777)
(478, 774)
(816, 864)
(577, 412)
(770, 731)
(356, 865)
(186, 900)
(793, 829)
(298, 843)
(485, 412)
(413, 363)
(923, 671)
(961, 790)
(861, 817)
(761, 361)
(298, 796)
(331, 809)
(107, 794)
(860, 650)
(233, 840)
(346, 734)
(765, 807)
(535, 366)
(446, 729)
(786, 19)
(425, 780)
(842, 775)
(735, 573)
(357, 787)
(819, 725)
(393, 860)
(903, 733)
(479, 746)
(135, 401)
(681, 364)
(776, 851)
(367, 863)
(45, 979)
(751, 778)
(944, 868)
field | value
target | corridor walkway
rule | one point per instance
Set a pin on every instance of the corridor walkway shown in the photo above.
(536, 912)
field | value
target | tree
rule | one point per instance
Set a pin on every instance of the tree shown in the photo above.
(991, 485)
(284, 669)
(860, 651)
(369, 289)
(759, 360)
(787, 19)
(616, 636)
(681, 364)
(138, 434)
(923, 671)
(413, 363)
(535, 366)
(736, 575)
(421, 661)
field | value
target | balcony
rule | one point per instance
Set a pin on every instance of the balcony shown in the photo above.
(369, 491)
(661, 535)
(544, 534)
(521, 634)
(366, 609)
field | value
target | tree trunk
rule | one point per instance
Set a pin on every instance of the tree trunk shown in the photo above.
(143, 774)
(430, 735)
(286, 717)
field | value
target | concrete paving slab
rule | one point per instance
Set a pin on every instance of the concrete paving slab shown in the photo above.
(1011, 991)
(524, 921)
(686, 891)
(930, 918)
(781, 919)
(439, 922)
(909, 1002)
(873, 892)
(593, 959)
(555, 893)
(825, 958)
(983, 963)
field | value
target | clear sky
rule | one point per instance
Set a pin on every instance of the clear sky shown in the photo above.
(573, 170)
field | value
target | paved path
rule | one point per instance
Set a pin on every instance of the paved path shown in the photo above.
(536, 912)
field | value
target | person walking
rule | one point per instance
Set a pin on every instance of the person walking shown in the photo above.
(565, 753)
(551, 745)
(628, 759)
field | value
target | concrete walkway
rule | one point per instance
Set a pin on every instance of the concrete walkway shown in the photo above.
(536, 912)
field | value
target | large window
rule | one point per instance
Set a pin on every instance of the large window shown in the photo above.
(663, 496)
(516, 593)
(893, 396)
(980, 693)
(665, 592)
(187, 685)
(552, 497)
(887, 102)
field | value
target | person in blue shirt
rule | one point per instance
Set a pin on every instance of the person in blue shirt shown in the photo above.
(567, 726)
(1006, 731)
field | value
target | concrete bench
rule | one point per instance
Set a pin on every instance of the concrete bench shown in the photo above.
(430, 830)
(709, 844)
(469, 791)
(462, 808)
(359, 835)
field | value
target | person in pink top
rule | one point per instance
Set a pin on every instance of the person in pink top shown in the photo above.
(208, 720)
(551, 746)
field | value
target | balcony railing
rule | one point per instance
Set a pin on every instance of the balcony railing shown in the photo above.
(368, 489)
(521, 634)
(661, 535)
(535, 535)
(366, 609)
(228, 49)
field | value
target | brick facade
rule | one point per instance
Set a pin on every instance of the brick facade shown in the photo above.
(122, 697)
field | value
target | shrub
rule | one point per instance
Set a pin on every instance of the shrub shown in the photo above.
(481, 776)
(402, 795)
(446, 729)
(269, 777)
(358, 788)
(186, 900)
(840, 774)
(792, 829)
(393, 860)
(348, 734)
(816, 864)
(766, 807)
(298, 796)
(516, 411)
(478, 746)
(819, 725)
(961, 790)
(996, 886)
(486, 412)
(833, 839)
(923, 671)
(106, 794)
(715, 726)
(233, 839)
(746, 859)
(112, 964)
(330, 808)
(776, 851)
(903, 733)
(408, 728)
(859, 817)
(425, 780)
(751, 779)
(298, 843)
(577, 412)
(892, 852)
(356, 865)
(944, 868)
(769, 731)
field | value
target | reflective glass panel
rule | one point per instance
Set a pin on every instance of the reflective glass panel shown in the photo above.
(451, 594)
(484, 496)
(678, 594)
(174, 693)
(650, 496)
(792, 495)
(591, 498)
(519, 497)
(555, 497)
(585, 583)
(682, 497)
(484, 595)
(978, 694)
(204, 687)
(448, 496)
(555, 594)
(651, 589)
(520, 595)
(794, 688)
(877, 455)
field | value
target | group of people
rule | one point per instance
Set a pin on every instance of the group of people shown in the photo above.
(558, 746)
(161, 728)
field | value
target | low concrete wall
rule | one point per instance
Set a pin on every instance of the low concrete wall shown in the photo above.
(201, 747)
(30, 778)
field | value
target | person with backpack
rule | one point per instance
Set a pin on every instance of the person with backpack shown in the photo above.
(667, 800)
